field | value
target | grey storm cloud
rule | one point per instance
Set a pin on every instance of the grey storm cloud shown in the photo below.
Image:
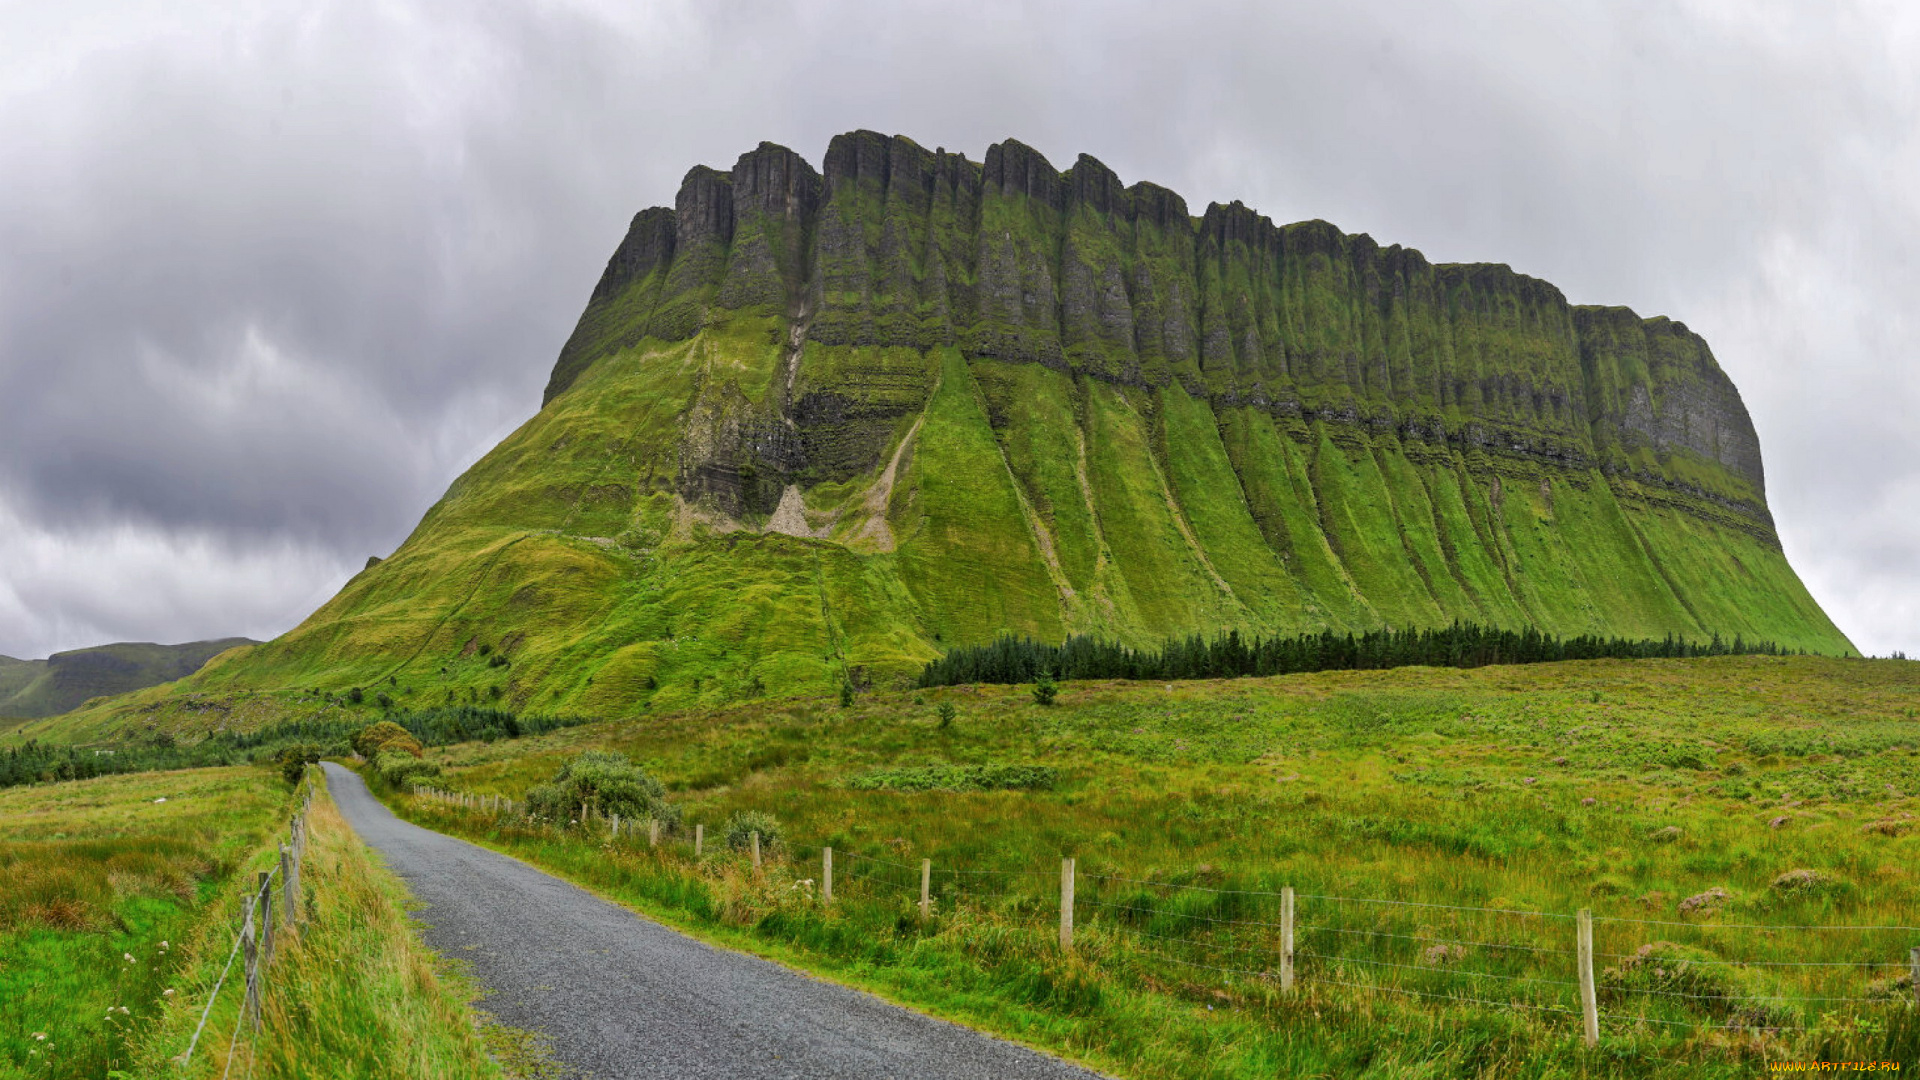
(271, 275)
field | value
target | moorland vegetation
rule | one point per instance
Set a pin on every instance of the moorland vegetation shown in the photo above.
(1709, 811)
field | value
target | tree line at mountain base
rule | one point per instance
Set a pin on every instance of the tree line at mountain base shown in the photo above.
(38, 762)
(1010, 660)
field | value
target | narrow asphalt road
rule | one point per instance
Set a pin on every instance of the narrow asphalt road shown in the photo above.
(623, 997)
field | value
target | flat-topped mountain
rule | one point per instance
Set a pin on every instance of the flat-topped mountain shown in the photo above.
(818, 424)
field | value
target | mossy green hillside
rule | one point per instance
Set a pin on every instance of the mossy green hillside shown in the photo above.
(816, 426)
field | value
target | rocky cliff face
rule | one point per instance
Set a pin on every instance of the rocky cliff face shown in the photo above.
(893, 246)
(821, 424)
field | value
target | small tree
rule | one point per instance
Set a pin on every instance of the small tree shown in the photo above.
(846, 694)
(1045, 689)
(947, 713)
(369, 741)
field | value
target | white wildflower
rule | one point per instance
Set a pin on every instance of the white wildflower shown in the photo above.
(40, 1036)
(127, 956)
(161, 799)
(168, 992)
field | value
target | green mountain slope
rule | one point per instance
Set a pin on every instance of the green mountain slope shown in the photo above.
(37, 688)
(817, 425)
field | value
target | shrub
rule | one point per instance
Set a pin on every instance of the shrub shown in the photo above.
(1045, 689)
(947, 713)
(846, 694)
(602, 782)
(400, 769)
(293, 761)
(369, 741)
(744, 823)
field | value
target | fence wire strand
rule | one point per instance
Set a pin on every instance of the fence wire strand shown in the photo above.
(958, 883)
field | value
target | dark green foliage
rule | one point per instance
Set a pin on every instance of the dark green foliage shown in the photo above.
(599, 783)
(1045, 689)
(744, 823)
(947, 712)
(295, 759)
(846, 695)
(958, 778)
(1012, 660)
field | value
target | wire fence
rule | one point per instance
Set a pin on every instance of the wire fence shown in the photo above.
(256, 940)
(1249, 946)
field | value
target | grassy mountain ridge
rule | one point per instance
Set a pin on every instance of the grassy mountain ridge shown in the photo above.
(38, 688)
(820, 425)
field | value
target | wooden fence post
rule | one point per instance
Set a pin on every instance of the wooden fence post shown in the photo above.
(250, 945)
(1066, 905)
(265, 910)
(699, 839)
(826, 875)
(1589, 1005)
(1286, 939)
(1913, 968)
(926, 888)
(289, 868)
(756, 849)
(653, 832)
(615, 831)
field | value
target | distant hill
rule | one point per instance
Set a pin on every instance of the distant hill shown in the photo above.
(36, 688)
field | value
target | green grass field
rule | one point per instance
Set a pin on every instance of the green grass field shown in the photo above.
(119, 901)
(1702, 809)
(94, 877)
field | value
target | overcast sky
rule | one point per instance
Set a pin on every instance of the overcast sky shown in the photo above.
(273, 273)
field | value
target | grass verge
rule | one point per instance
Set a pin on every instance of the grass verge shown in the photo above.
(354, 992)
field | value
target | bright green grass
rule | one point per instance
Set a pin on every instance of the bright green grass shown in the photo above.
(1464, 788)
